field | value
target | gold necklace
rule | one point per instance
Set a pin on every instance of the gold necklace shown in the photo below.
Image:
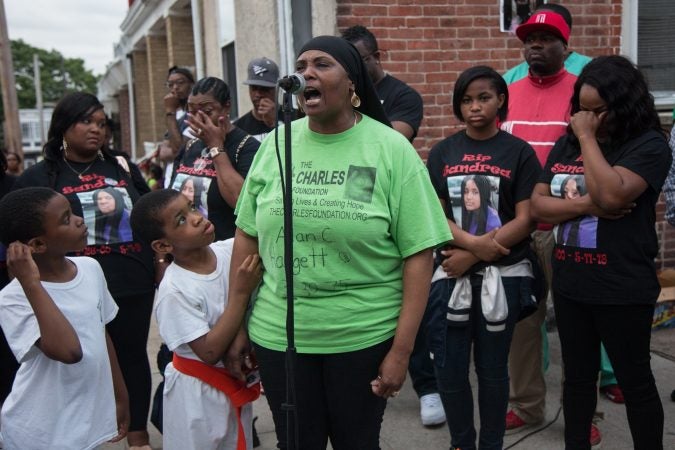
(79, 174)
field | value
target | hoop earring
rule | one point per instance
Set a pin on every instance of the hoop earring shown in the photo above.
(356, 101)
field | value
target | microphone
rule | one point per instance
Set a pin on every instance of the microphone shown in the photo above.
(294, 83)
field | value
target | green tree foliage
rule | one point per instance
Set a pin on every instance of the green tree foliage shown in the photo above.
(58, 76)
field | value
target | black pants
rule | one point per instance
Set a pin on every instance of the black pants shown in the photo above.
(334, 397)
(129, 333)
(625, 331)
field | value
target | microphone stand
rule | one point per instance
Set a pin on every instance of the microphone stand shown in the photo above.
(292, 435)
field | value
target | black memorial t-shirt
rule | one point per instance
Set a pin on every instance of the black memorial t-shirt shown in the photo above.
(482, 181)
(103, 196)
(195, 175)
(605, 261)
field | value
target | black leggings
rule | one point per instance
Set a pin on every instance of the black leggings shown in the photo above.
(129, 333)
(625, 331)
(334, 397)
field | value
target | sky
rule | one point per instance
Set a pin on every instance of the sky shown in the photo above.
(86, 29)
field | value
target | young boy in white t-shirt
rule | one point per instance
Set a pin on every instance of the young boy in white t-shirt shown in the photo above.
(198, 313)
(69, 392)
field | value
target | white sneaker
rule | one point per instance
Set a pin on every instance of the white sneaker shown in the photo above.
(431, 410)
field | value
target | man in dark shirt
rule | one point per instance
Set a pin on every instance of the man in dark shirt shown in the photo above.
(263, 74)
(402, 104)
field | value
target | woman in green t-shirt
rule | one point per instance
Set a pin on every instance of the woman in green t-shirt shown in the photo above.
(361, 261)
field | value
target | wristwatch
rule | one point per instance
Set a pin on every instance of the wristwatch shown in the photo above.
(215, 151)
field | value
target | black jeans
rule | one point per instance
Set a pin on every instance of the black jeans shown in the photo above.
(129, 333)
(625, 330)
(421, 367)
(334, 397)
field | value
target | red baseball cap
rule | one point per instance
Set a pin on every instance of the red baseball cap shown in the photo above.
(544, 21)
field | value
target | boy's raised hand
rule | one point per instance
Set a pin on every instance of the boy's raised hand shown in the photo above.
(248, 275)
(21, 264)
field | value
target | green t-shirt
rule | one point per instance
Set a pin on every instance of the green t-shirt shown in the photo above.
(362, 201)
(574, 63)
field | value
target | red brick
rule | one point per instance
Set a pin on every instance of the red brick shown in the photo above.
(404, 11)
(489, 44)
(441, 77)
(440, 33)
(439, 55)
(437, 11)
(386, 22)
(597, 9)
(474, 32)
(596, 31)
(392, 44)
(429, 44)
(369, 11)
(482, 56)
(406, 33)
(422, 22)
(456, 22)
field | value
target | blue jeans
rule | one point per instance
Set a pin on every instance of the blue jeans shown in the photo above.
(491, 351)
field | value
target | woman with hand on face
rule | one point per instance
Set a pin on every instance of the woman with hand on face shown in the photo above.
(78, 165)
(485, 277)
(219, 158)
(365, 222)
(607, 293)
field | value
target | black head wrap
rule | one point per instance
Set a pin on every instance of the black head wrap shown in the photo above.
(349, 58)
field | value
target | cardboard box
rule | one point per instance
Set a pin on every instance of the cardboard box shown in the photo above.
(664, 312)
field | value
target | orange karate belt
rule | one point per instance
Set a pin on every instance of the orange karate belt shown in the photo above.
(219, 378)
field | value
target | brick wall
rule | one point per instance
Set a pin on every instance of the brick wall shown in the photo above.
(180, 41)
(428, 43)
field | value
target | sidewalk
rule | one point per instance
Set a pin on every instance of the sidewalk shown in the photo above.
(402, 430)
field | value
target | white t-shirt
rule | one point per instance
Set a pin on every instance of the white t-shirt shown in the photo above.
(53, 405)
(189, 304)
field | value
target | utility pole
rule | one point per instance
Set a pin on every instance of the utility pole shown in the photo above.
(38, 96)
(8, 86)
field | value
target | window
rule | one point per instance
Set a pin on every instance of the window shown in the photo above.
(656, 43)
(230, 76)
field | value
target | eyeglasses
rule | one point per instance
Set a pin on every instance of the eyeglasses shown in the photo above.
(178, 83)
